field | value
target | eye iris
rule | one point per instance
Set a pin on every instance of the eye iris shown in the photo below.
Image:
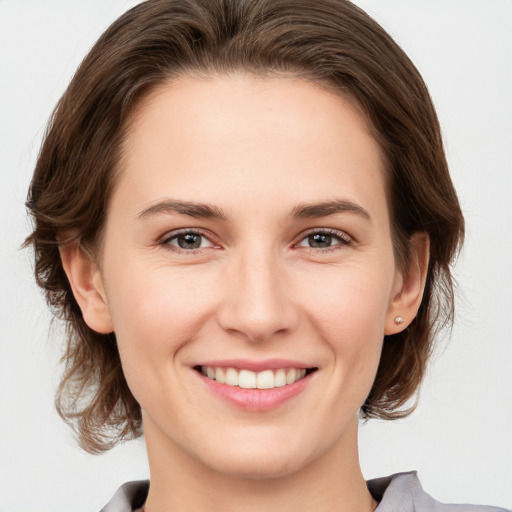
(320, 240)
(189, 241)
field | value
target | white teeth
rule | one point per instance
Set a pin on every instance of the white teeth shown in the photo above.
(231, 377)
(219, 375)
(248, 379)
(280, 379)
(291, 375)
(265, 380)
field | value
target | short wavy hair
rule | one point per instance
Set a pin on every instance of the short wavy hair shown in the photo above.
(331, 42)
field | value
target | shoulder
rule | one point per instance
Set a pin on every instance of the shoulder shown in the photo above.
(128, 498)
(403, 492)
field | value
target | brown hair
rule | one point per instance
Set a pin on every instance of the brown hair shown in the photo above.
(326, 41)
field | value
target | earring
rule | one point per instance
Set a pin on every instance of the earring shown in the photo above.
(399, 320)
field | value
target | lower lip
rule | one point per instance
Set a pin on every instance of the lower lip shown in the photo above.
(256, 399)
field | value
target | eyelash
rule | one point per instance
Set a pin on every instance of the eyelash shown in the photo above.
(166, 240)
(344, 240)
(342, 237)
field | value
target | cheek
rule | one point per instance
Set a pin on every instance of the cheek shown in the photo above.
(348, 311)
(349, 301)
(157, 311)
(155, 315)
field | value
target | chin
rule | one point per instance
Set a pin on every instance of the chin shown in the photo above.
(259, 468)
(260, 460)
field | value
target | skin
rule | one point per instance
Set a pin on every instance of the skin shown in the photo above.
(256, 289)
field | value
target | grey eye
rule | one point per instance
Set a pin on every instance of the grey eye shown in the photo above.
(189, 241)
(322, 240)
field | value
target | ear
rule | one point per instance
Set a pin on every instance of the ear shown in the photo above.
(409, 286)
(87, 286)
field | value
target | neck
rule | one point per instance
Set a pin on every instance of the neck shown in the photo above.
(332, 482)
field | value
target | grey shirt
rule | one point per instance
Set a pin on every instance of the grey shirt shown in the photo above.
(396, 493)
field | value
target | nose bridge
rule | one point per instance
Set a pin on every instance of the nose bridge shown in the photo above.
(258, 304)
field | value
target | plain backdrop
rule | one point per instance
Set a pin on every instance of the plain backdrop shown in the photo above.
(460, 437)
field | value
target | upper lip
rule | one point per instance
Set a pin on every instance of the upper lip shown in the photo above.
(256, 366)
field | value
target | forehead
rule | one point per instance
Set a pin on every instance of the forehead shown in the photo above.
(228, 135)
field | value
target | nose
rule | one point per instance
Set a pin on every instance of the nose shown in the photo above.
(257, 303)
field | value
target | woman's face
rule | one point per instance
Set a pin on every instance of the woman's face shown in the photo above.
(248, 238)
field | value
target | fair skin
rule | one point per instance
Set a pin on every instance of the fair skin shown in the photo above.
(249, 229)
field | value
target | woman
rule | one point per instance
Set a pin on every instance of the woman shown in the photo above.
(244, 213)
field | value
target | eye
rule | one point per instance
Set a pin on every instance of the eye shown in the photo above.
(324, 239)
(187, 241)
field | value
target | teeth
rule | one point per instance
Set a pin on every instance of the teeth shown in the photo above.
(231, 377)
(280, 379)
(247, 379)
(218, 374)
(291, 375)
(265, 380)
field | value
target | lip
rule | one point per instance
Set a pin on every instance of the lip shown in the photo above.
(256, 366)
(256, 399)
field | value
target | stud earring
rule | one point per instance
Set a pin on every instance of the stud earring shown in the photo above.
(399, 320)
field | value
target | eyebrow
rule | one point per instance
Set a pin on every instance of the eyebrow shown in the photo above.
(315, 210)
(206, 211)
(198, 210)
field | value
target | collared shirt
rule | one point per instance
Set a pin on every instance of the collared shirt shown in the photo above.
(401, 492)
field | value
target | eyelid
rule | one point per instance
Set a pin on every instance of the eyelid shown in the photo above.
(170, 235)
(345, 239)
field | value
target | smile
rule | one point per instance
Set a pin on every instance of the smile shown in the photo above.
(255, 386)
(247, 379)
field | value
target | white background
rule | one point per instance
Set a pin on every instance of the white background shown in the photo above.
(460, 437)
